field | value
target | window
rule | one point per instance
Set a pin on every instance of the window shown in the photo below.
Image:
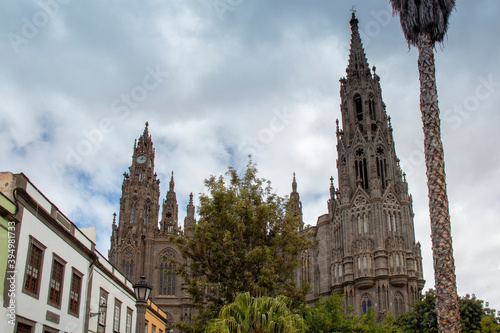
(128, 324)
(133, 214)
(23, 328)
(371, 107)
(128, 263)
(74, 294)
(381, 166)
(33, 268)
(101, 322)
(366, 303)
(167, 274)
(146, 327)
(361, 168)
(153, 328)
(56, 282)
(146, 214)
(116, 316)
(306, 258)
(359, 107)
(398, 303)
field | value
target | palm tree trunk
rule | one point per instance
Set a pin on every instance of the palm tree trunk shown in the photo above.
(448, 310)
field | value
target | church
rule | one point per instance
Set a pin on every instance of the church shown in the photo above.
(365, 245)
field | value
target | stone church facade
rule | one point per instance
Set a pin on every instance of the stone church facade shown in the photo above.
(139, 245)
(365, 244)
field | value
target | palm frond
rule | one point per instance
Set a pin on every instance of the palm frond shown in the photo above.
(423, 16)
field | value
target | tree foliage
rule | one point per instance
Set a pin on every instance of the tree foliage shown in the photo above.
(244, 241)
(329, 315)
(261, 314)
(475, 317)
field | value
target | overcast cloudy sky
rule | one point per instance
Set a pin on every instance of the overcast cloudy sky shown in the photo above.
(220, 79)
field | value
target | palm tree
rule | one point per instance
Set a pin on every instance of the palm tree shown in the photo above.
(424, 22)
(257, 315)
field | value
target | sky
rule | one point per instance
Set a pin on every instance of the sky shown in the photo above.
(218, 80)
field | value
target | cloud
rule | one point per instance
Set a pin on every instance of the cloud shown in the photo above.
(261, 78)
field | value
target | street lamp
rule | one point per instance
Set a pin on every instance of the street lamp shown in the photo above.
(142, 290)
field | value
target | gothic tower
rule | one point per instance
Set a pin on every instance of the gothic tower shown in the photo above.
(366, 243)
(140, 244)
(139, 208)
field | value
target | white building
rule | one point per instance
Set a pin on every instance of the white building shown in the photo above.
(60, 279)
(110, 287)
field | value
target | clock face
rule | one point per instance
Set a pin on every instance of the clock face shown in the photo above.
(141, 159)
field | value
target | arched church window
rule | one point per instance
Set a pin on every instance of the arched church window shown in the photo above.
(398, 303)
(371, 107)
(393, 219)
(360, 225)
(381, 165)
(340, 270)
(388, 221)
(167, 274)
(133, 214)
(366, 303)
(359, 107)
(361, 167)
(306, 257)
(146, 214)
(128, 263)
(365, 223)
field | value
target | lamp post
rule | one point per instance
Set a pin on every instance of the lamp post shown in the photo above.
(142, 290)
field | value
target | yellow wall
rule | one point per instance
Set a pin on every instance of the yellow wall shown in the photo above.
(155, 316)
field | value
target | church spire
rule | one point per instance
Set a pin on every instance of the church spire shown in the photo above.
(172, 183)
(295, 208)
(189, 221)
(358, 64)
(294, 184)
(170, 209)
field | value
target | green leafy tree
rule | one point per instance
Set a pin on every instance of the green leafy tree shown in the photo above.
(329, 315)
(244, 241)
(425, 22)
(475, 317)
(259, 315)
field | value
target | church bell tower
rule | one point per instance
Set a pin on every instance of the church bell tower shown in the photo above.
(139, 208)
(372, 256)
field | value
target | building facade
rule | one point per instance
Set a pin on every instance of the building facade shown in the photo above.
(140, 241)
(365, 244)
(54, 278)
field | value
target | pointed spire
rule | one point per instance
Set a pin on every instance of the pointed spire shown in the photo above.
(189, 220)
(114, 218)
(190, 207)
(358, 65)
(332, 188)
(294, 184)
(172, 183)
(146, 130)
